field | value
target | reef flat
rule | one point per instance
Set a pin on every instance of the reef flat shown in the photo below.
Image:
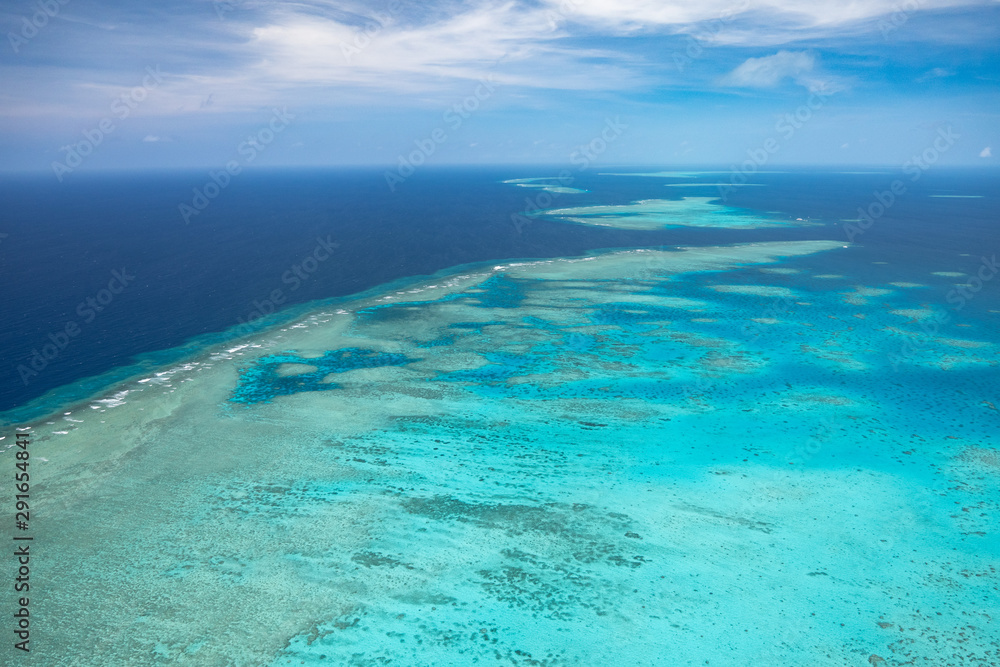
(646, 457)
(665, 213)
(547, 184)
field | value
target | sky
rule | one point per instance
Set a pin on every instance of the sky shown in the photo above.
(101, 84)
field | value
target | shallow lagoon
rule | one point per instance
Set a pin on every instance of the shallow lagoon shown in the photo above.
(637, 457)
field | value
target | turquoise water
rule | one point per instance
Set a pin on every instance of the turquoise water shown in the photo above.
(662, 213)
(752, 454)
(553, 185)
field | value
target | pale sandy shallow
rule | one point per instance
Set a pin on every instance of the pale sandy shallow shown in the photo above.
(611, 472)
(664, 213)
(553, 185)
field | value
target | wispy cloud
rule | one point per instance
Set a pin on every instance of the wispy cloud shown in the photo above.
(936, 73)
(748, 22)
(340, 52)
(769, 71)
(384, 63)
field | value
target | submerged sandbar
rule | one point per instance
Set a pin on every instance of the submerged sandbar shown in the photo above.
(648, 214)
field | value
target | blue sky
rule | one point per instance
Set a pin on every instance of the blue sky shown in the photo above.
(184, 84)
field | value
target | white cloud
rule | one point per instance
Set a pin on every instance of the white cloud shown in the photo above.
(427, 63)
(318, 45)
(774, 22)
(152, 138)
(769, 71)
(316, 53)
(986, 152)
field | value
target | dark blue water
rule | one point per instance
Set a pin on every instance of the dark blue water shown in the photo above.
(271, 240)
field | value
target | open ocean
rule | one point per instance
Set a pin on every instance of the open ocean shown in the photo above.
(493, 416)
(199, 279)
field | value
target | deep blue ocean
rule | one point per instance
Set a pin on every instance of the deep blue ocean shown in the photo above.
(185, 283)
